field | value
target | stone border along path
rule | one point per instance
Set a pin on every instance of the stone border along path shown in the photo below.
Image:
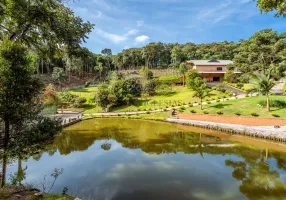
(154, 111)
(264, 132)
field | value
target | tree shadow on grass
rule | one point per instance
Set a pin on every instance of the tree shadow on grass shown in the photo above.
(220, 105)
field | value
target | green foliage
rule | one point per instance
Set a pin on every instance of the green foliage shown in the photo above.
(193, 111)
(230, 77)
(102, 97)
(254, 114)
(237, 113)
(163, 89)
(146, 73)
(270, 5)
(206, 112)
(275, 115)
(86, 84)
(149, 86)
(219, 112)
(249, 57)
(273, 103)
(59, 74)
(191, 76)
(200, 88)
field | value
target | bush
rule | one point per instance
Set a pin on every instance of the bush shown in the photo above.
(193, 111)
(218, 100)
(208, 102)
(206, 112)
(247, 95)
(182, 108)
(237, 113)
(274, 103)
(219, 112)
(275, 115)
(79, 102)
(87, 84)
(148, 112)
(254, 114)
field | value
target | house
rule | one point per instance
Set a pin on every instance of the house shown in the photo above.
(211, 70)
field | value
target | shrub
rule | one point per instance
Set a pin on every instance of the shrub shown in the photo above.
(164, 109)
(219, 112)
(182, 108)
(254, 114)
(163, 89)
(86, 84)
(208, 102)
(191, 105)
(237, 113)
(274, 103)
(247, 95)
(79, 102)
(148, 112)
(206, 112)
(193, 111)
(275, 115)
(218, 100)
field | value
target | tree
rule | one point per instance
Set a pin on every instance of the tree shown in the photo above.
(191, 75)
(99, 68)
(58, 74)
(270, 5)
(103, 97)
(259, 52)
(230, 77)
(201, 90)
(264, 84)
(182, 70)
(47, 22)
(106, 52)
(146, 73)
(20, 104)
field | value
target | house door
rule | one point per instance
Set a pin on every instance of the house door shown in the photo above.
(216, 79)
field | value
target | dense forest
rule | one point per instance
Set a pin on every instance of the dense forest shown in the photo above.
(264, 48)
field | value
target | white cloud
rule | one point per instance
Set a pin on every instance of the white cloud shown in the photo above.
(110, 36)
(132, 32)
(116, 38)
(142, 39)
(140, 23)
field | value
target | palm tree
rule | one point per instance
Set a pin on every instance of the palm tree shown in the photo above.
(264, 84)
(99, 68)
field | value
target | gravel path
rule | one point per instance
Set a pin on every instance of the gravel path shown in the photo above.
(260, 131)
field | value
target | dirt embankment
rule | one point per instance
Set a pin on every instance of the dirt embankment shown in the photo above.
(251, 121)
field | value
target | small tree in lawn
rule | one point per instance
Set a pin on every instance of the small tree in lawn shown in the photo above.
(183, 70)
(191, 76)
(201, 89)
(264, 84)
(59, 75)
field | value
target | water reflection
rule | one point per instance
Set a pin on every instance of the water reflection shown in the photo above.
(130, 159)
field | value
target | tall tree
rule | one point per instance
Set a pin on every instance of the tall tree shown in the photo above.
(183, 70)
(263, 49)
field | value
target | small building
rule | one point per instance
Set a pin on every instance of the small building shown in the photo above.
(211, 70)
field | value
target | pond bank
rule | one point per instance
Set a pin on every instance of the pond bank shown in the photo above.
(264, 132)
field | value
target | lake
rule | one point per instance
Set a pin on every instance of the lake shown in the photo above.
(122, 159)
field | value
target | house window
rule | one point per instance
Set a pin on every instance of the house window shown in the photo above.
(219, 68)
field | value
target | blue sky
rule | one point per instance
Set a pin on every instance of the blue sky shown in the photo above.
(121, 24)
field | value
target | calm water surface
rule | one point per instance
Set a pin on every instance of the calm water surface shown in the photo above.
(130, 159)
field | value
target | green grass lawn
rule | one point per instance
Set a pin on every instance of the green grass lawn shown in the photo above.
(245, 106)
(179, 95)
